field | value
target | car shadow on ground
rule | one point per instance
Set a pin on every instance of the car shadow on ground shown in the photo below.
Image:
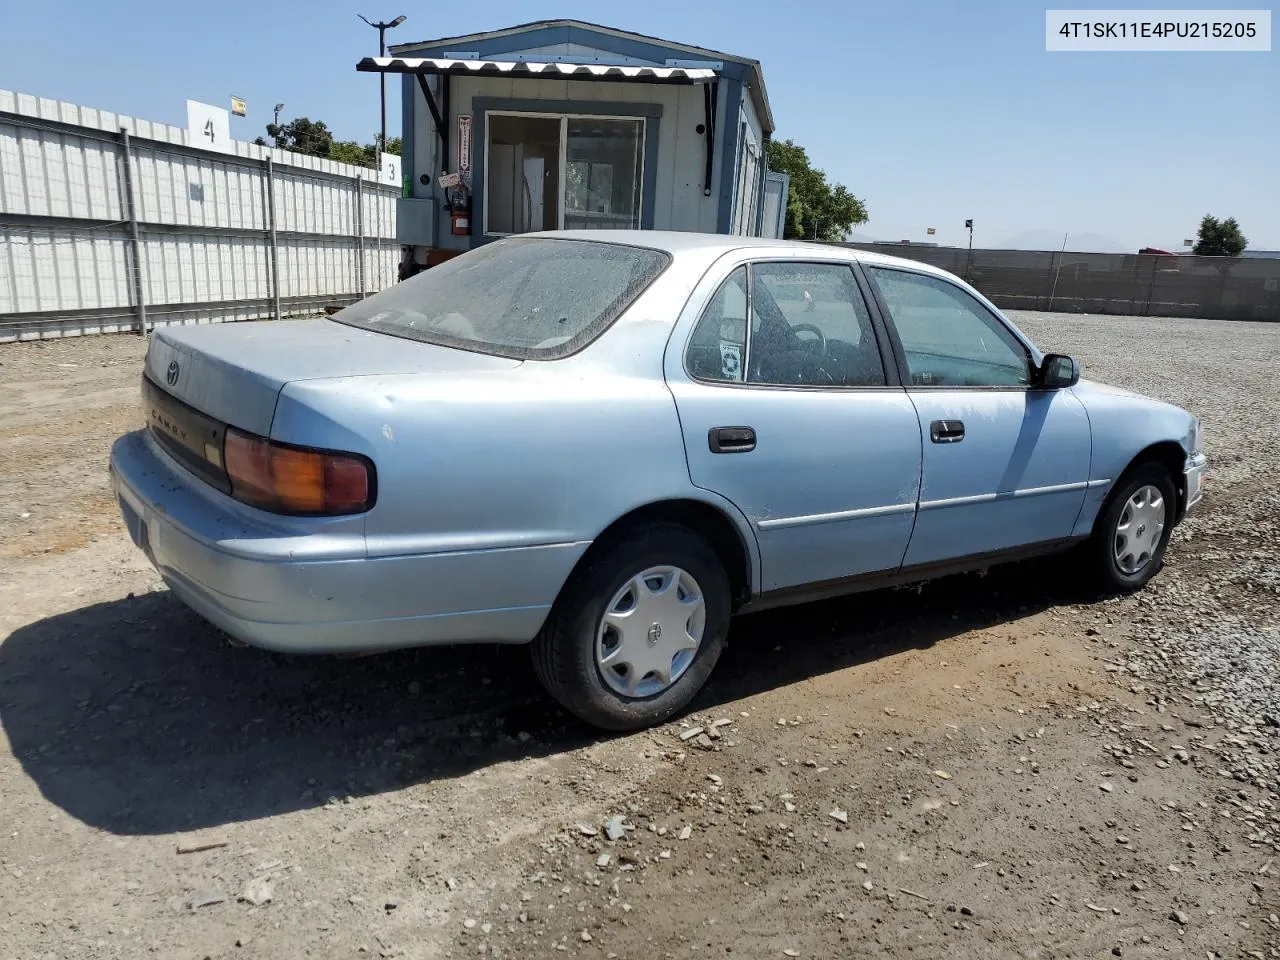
(138, 718)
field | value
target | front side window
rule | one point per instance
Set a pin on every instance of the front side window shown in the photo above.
(523, 298)
(949, 338)
(809, 326)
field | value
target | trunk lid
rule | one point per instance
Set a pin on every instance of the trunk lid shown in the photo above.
(234, 372)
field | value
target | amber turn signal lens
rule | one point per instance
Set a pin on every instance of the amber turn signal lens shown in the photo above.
(285, 479)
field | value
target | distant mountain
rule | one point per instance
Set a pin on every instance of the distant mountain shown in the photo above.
(1076, 242)
(854, 237)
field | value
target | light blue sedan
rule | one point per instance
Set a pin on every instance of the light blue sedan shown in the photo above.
(606, 444)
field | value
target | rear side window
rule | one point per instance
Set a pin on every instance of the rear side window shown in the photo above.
(809, 327)
(524, 298)
(718, 348)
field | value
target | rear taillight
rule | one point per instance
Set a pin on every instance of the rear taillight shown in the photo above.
(286, 479)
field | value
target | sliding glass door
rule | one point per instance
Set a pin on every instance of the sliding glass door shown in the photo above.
(523, 173)
(603, 160)
(548, 172)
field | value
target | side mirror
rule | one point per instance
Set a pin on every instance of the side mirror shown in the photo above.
(1058, 371)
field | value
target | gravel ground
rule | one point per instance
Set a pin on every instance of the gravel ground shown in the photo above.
(988, 767)
(1210, 625)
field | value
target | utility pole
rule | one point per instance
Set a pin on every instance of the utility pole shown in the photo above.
(1058, 272)
(382, 29)
(968, 225)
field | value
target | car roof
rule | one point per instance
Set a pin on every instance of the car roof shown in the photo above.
(676, 242)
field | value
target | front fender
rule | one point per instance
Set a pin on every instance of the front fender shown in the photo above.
(1123, 425)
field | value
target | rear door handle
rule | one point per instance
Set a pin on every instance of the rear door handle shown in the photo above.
(946, 431)
(731, 439)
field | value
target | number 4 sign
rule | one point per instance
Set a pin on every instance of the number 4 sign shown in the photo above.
(208, 126)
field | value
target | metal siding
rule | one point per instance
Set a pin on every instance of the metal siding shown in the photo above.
(718, 218)
(408, 149)
(683, 159)
(753, 121)
(752, 171)
(47, 173)
(203, 225)
(776, 187)
(574, 51)
(426, 140)
(47, 270)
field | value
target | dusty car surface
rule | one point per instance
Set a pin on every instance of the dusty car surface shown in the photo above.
(606, 444)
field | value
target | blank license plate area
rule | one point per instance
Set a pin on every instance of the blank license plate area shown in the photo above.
(135, 525)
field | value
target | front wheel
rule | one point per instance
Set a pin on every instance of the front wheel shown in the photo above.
(637, 630)
(1130, 536)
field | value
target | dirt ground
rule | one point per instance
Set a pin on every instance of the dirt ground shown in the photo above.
(987, 767)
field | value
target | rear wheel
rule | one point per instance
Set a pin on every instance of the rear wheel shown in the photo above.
(637, 630)
(1130, 536)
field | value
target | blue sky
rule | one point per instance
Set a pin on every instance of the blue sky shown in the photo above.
(931, 112)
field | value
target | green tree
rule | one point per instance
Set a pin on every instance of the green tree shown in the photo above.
(348, 151)
(816, 209)
(301, 135)
(1219, 238)
(314, 137)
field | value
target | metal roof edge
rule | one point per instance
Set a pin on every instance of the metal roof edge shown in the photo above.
(587, 26)
(758, 90)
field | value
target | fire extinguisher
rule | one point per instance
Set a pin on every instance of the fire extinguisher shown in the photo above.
(460, 213)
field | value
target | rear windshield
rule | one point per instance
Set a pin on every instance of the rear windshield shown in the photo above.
(526, 298)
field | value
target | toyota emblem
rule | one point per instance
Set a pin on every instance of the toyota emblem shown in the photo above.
(171, 375)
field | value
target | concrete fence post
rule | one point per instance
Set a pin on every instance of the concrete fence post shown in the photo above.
(1151, 286)
(272, 245)
(135, 236)
(361, 288)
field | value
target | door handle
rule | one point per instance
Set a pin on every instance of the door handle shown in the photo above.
(731, 439)
(946, 431)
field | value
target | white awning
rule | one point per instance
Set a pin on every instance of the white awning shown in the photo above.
(551, 70)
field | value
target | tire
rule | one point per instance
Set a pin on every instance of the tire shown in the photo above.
(567, 652)
(1143, 555)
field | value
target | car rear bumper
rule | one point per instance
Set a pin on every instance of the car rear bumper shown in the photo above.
(308, 586)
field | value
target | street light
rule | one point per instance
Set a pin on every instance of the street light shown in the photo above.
(382, 29)
(276, 123)
(968, 225)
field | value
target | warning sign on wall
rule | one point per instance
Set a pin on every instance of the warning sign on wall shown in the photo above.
(464, 144)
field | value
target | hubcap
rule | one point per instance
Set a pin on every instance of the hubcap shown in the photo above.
(1139, 530)
(650, 631)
